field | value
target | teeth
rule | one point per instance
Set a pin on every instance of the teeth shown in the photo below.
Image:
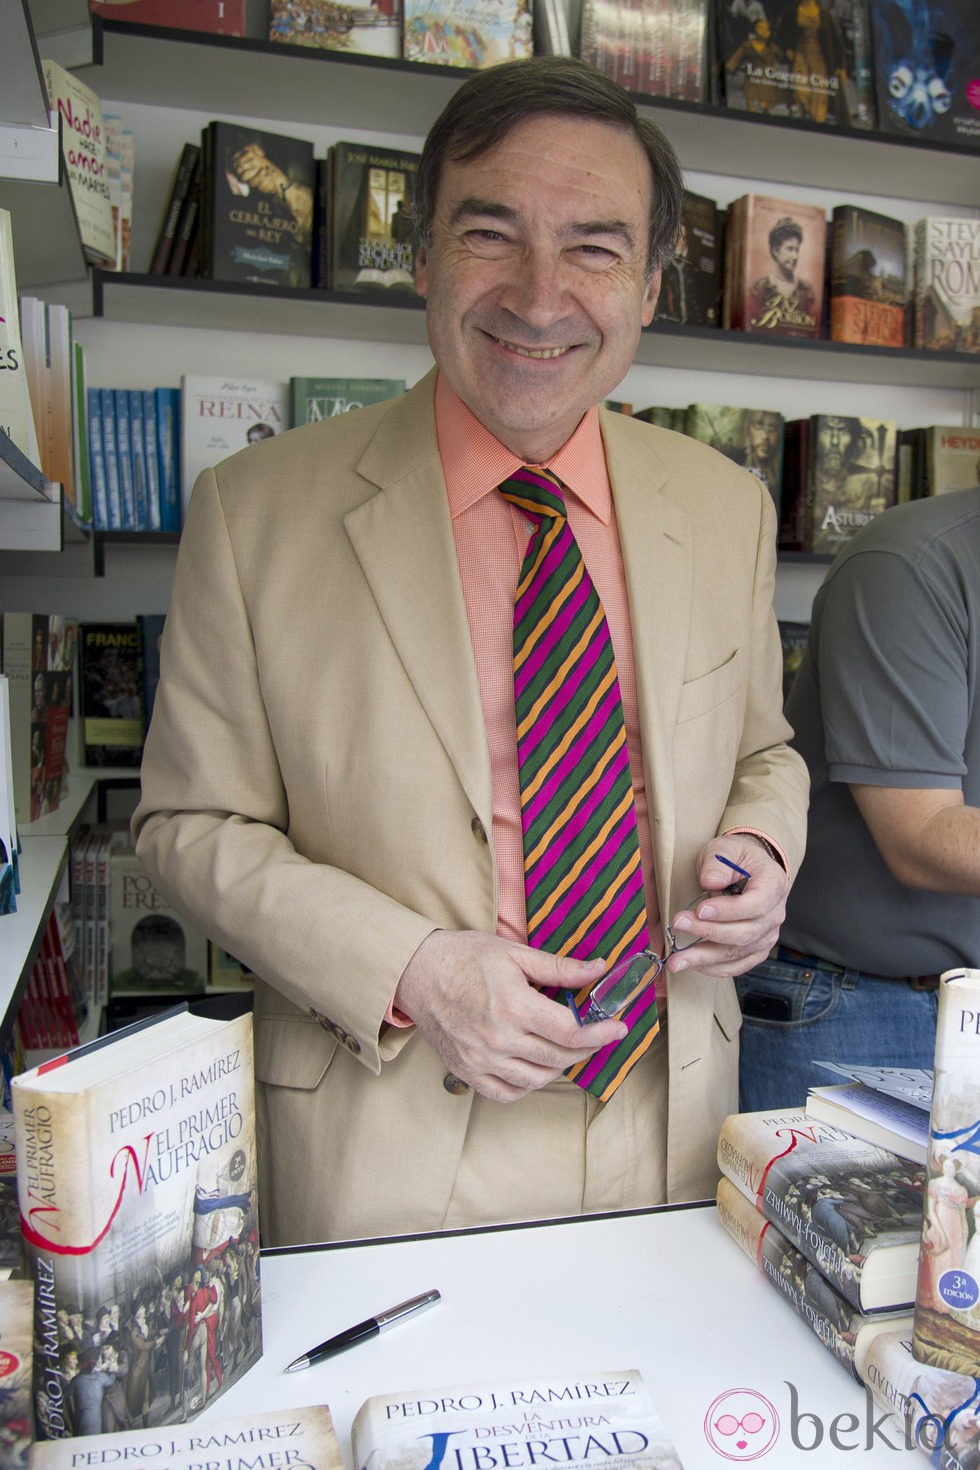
(543, 352)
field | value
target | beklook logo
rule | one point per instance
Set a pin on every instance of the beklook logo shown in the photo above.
(741, 1425)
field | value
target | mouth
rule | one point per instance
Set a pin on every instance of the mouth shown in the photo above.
(541, 354)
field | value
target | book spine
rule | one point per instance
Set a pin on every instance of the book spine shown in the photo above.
(168, 230)
(137, 455)
(114, 520)
(150, 459)
(124, 456)
(168, 456)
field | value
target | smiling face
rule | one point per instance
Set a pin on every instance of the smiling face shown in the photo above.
(535, 276)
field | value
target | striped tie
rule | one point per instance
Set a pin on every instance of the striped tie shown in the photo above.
(582, 879)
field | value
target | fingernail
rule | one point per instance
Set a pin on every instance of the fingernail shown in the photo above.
(677, 964)
(682, 923)
(708, 911)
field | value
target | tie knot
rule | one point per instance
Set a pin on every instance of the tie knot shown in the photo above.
(536, 492)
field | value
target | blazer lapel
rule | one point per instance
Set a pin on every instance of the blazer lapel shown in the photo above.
(403, 538)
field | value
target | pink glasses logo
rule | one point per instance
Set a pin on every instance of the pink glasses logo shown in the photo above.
(741, 1425)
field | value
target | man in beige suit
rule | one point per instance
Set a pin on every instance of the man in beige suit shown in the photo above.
(329, 785)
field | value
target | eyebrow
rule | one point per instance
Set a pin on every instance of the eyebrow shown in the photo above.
(473, 207)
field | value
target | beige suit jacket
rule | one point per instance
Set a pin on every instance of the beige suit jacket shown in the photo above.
(316, 782)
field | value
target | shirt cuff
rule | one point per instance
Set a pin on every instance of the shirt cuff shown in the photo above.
(772, 848)
(395, 1017)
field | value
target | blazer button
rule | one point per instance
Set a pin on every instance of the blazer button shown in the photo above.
(455, 1085)
(352, 1044)
(479, 831)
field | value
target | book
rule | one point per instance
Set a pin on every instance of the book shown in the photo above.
(303, 1438)
(16, 1368)
(16, 408)
(220, 17)
(109, 702)
(470, 33)
(363, 28)
(138, 1195)
(851, 477)
(874, 1116)
(608, 1415)
(226, 973)
(841, 1328)
(187, 166)
(946, 1328)
(690, 286)
(97, 459)
(312, 399)
(868, 273)
(120, 160)
(371, 233)
(80, 440)
(924, 1407)
(946, 284)
(39, 663)
(166, 418)
(220, 415)
(83, 145)
(952, 458)
(653, 49)
(774, 266)
(153, 948)
(752, 437)
(46, 339)
(809, 60)
(110, 451)
(793, 639)
(256, 205)
(9, 846)
(852, 1209)
(926, 60)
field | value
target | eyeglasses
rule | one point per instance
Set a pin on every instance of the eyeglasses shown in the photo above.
(621, 985)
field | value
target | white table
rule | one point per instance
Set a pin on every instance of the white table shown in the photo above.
(665, 1291)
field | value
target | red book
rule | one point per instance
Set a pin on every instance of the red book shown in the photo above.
(220, 17)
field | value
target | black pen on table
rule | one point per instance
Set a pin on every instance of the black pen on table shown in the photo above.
(362, 1331)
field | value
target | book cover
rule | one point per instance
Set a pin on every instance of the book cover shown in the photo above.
(851, 479)
(220, 17)
(793, 639)
(624, 1426)
(946, 285)
(841, 1328)
(226, 973)
(777, 260)
(652, 49)
(852, 1209)
(690, 287)
(946, 1329)
(751, 437)
(138, 1198)
(110, 450)
(925, 1408)
(952, 458)
(153, 948)
(470, 33)
(110, 704)
(868, 276)
(304, 1439)
(926, 65)
(312, 399)
(16, 408)
(890, 1122)
(256, 205)
(807, 59)
(363, 28)
(372, 235)
(220, 415)
(83, 144)
(187, 166)
(166, 419)
(16, 1369)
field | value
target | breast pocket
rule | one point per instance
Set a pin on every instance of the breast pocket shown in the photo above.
(710, 691)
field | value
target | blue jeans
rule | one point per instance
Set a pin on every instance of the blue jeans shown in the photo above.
(795, 1013)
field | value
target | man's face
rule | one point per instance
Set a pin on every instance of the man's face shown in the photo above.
(787, 256)
(535, 276)
(763, 436)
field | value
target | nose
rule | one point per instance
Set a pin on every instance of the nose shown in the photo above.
(535, 292)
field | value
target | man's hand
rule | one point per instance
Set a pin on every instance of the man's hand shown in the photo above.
(473, 998)
(736, 931)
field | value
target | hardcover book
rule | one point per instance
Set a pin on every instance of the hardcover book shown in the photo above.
(651, 49)
(946, 1329)
(852, 477)
(470, 33)
(302, 1438)
(139, 1210)
(946, 290)
(868, 274)
(952, 458)
(39, 663)
(371, 232)
(83, 145)
(397, 1431)
(362, 28)
(751, 437)
(16, 1369)
(774, 266)
(16, 408)
(926, 64)
(110, 704)
(186, 172)
(690, 287)
(312, 399)
(256, 206)
(852, 1209)
(841, 1328)
(153, 948)
(220, 415)
(221, 17)
(808, 59)
(890, 1122)
(926, 1408)
(793, 638)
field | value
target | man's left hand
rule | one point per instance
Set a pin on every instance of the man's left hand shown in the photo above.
(736, 931)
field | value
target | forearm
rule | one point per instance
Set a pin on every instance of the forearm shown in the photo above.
(930, 839)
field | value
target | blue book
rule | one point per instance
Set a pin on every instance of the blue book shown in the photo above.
(100, 487)
(168, 457)
(137, 455)
(124, 454)
(110, 450)
(150, 458)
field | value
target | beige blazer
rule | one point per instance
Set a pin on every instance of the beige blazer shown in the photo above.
(316, 783)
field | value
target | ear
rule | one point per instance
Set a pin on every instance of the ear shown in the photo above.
(650, 298)
(422, 272)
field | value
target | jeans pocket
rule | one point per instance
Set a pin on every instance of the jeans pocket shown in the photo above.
(779, 993)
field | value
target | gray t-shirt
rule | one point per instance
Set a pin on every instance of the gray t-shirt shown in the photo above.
(888, 694)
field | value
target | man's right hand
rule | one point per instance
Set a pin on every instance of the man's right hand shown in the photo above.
(474, 999)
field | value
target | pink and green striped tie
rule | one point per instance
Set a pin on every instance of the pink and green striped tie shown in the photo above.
(582, 879)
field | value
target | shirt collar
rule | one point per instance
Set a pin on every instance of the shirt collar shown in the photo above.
(474, 462)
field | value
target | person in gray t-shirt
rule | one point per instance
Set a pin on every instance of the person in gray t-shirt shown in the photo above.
(886, 710)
